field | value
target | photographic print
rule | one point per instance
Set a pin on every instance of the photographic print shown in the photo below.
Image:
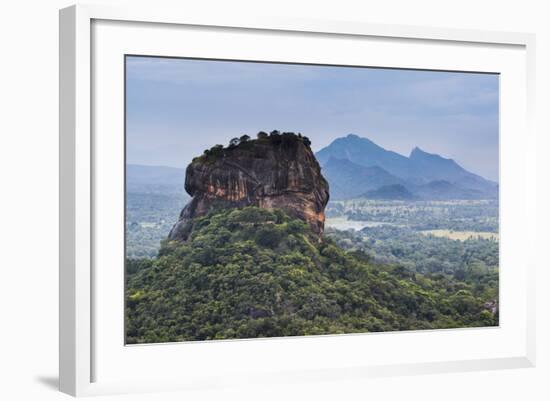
(274, 199)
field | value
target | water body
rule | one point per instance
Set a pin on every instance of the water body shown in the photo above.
(342, 223)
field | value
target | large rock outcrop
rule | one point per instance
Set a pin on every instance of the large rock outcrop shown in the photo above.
(278, 171)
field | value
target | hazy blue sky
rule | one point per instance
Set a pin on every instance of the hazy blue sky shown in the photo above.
(176, 108)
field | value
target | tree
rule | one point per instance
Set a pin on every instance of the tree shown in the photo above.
(307, 142)
(255, 272)
(234, 142)
(262, 135)
(269, 236)
(244, 138)
(216, 150)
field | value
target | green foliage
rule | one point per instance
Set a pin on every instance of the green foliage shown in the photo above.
(457, 215)
(252, 272)
(149, 217)
(422, 253)
(245, 142)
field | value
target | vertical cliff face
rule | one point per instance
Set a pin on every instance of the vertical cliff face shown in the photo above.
(274, 172)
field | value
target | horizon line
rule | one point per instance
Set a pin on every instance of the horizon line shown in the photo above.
(335, 139)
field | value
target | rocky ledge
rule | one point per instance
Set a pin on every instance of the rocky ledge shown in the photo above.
(275, 171)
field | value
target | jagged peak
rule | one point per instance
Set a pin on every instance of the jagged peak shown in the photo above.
(419, 153)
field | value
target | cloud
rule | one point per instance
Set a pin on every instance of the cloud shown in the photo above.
(208, 73)
(178, 107)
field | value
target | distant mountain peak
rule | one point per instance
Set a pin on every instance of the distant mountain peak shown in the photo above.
(419, 153)
(361, 139)
(343, 158)
(353, 139)
(416, 151)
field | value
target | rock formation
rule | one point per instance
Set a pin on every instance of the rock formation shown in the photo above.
(278, 171)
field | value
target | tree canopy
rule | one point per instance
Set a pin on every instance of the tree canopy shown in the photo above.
(252, 272)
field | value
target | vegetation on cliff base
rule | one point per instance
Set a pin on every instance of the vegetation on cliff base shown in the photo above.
(247, 273)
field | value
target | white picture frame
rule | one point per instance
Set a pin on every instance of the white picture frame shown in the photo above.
(83, 344)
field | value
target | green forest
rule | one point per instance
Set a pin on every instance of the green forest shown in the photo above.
(422, 253)
(248, 273)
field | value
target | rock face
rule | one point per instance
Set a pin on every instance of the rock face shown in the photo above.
(278, 171)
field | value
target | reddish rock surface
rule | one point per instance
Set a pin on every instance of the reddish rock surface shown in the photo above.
(275, 172)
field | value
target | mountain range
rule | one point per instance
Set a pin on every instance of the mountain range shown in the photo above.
(357, 167)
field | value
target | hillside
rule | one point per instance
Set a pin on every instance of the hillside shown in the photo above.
(443, 190)
(252, 272)
(349, 180)
(247, 257)
(394, 192)
(154, 196)
(416, 172)
(364, 152)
